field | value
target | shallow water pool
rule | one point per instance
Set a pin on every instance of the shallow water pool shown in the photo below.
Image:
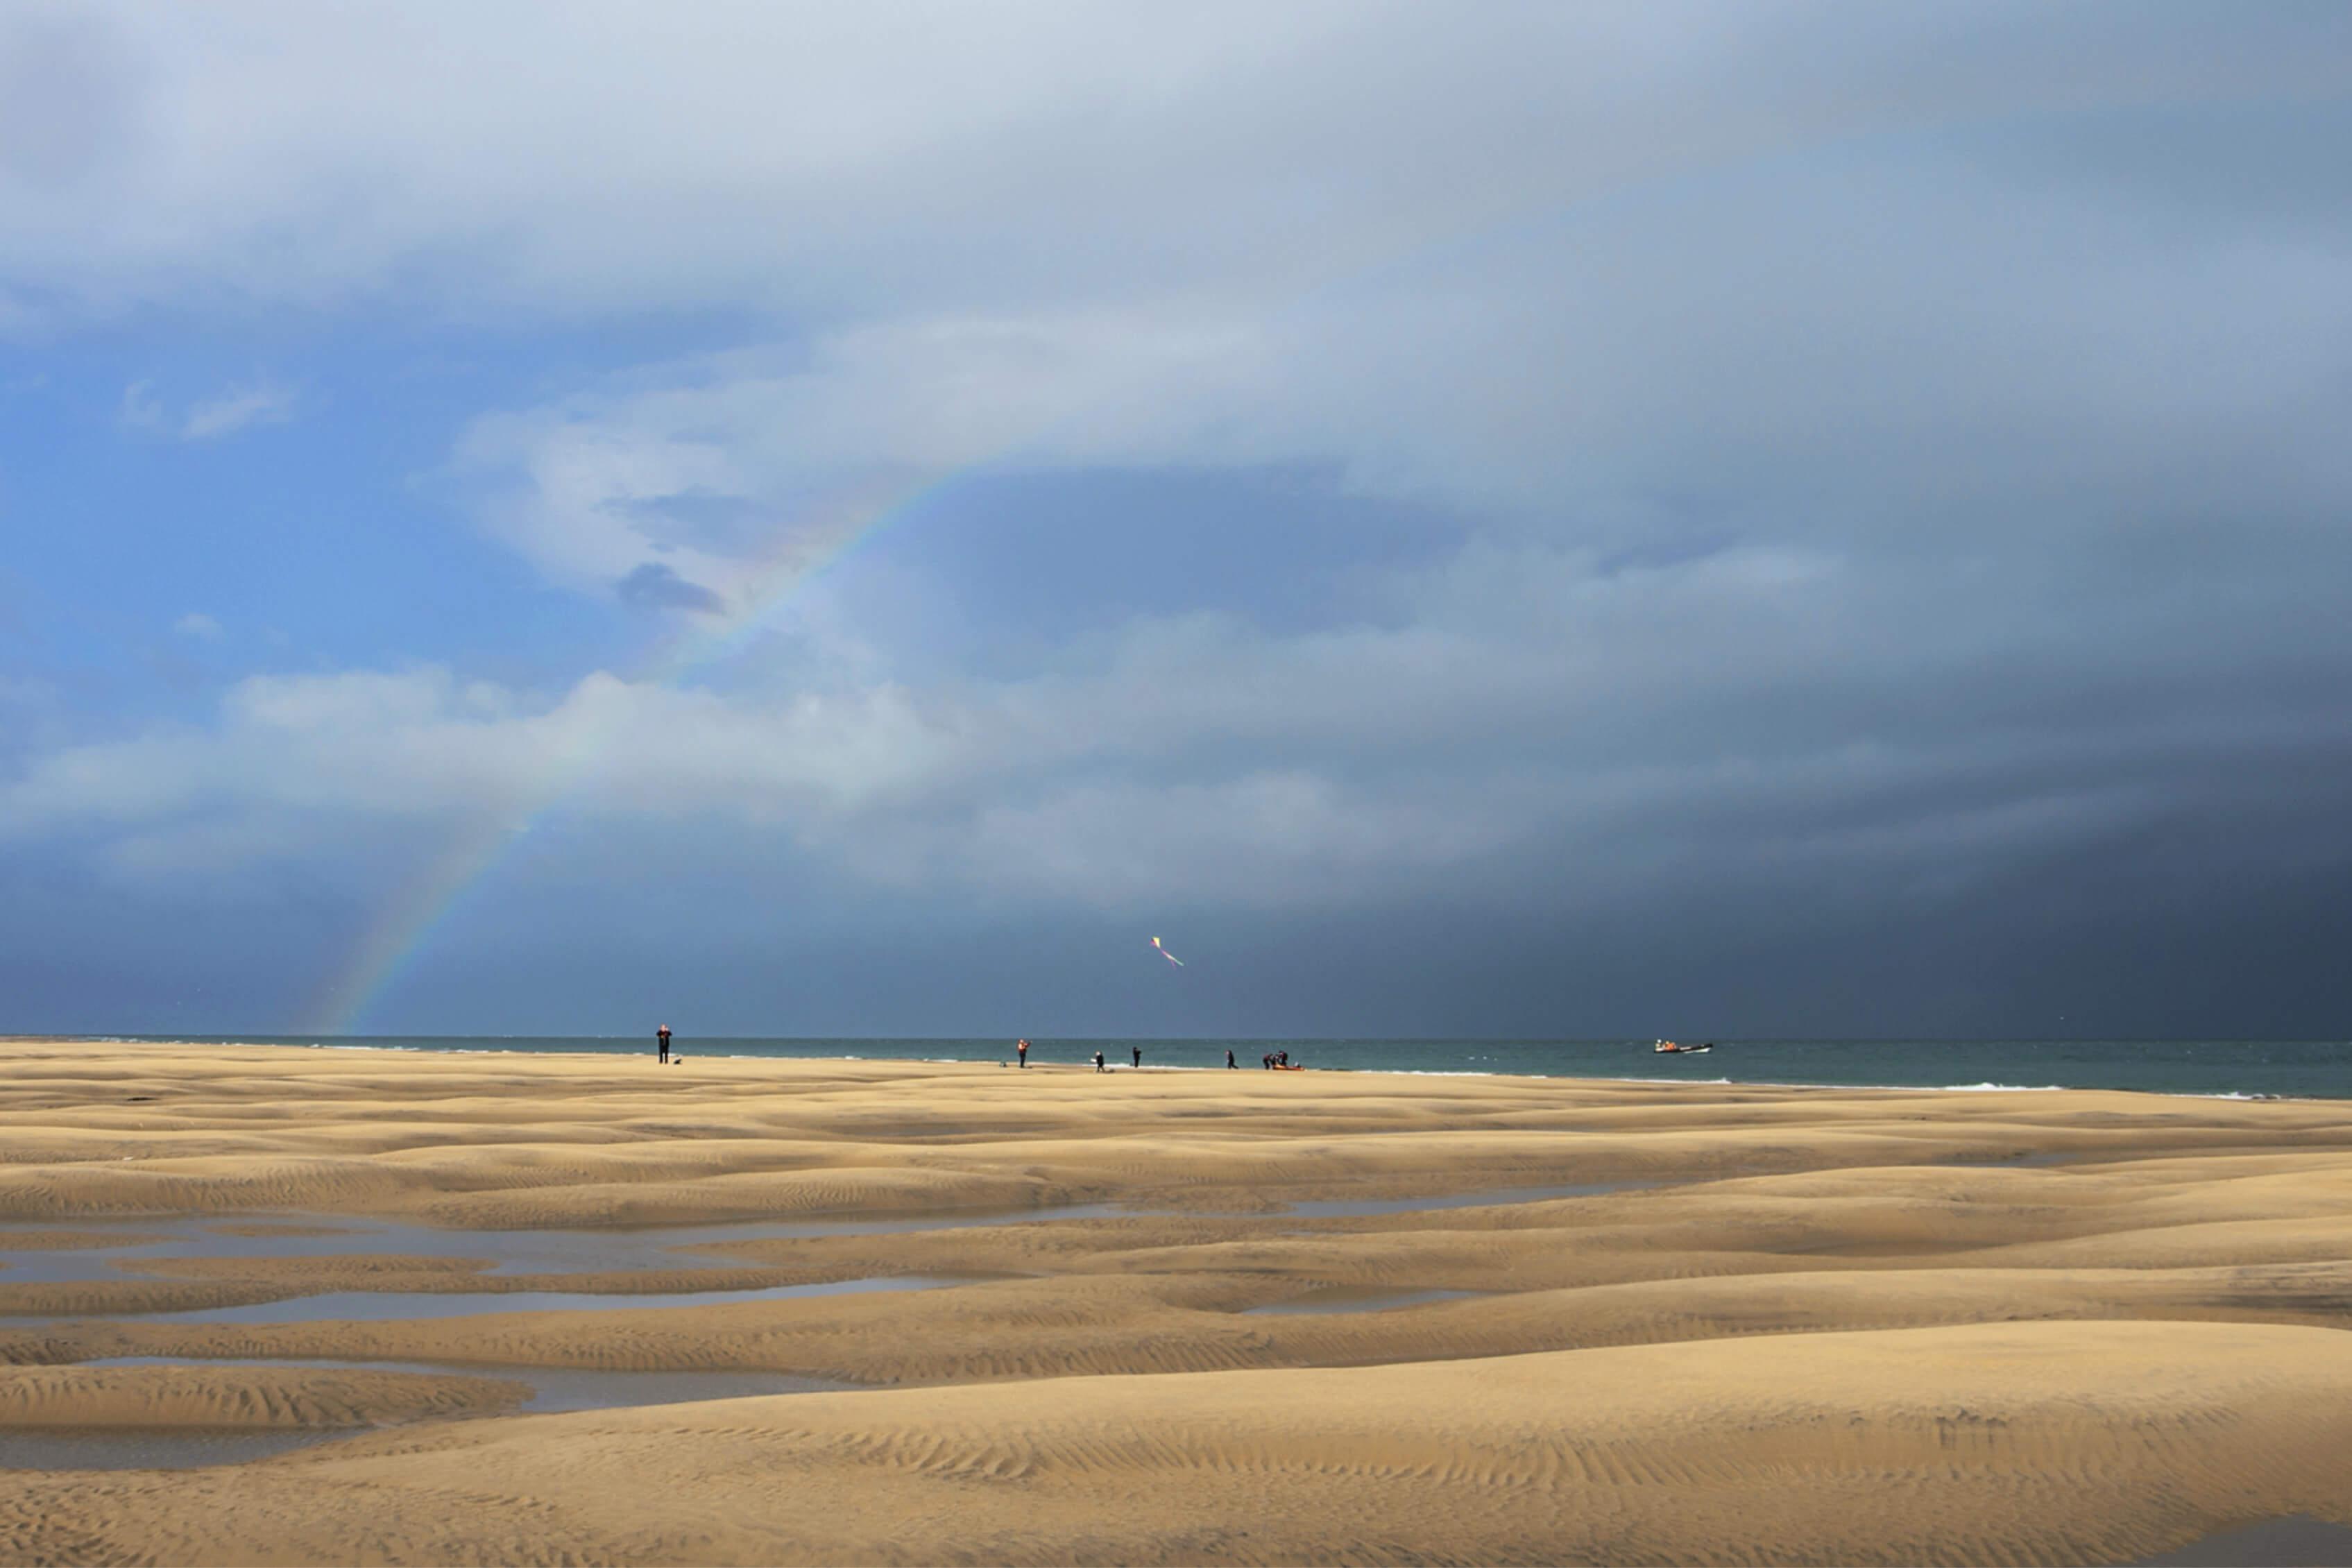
(553, 1389)
(506, 1251)
(148, 1448)
(394, 1306)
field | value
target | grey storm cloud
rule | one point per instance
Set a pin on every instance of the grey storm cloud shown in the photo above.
(655, 586)
(1879, 476)
(701, 518)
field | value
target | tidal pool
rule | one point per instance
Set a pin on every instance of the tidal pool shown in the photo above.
(553, 1389)
(148, 1448)
(394, 1306)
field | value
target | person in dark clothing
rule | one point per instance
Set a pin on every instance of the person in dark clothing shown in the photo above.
(1229, 1059)
(661, 1040)
(1282, 1058)
(1139, 1054)
(1021, 1049)
(1099, 1063)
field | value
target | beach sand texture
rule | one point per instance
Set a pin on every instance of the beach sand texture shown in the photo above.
(1799, 1325)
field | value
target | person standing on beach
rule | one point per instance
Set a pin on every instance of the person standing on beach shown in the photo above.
(661, 1039)
(1021, 1049)
(1099, 1063)
(1139, 1055)
(1230, 1063)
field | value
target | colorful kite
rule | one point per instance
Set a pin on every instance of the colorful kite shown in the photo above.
(1165, 954)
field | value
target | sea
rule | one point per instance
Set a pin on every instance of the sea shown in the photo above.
(2234, 1069)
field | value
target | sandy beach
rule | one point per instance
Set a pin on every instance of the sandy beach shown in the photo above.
(1157, 1316)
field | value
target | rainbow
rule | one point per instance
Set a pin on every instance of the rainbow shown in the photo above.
(403, 930)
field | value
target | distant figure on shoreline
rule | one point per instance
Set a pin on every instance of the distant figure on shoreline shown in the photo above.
(1099, 1063)
(661, 1039)
(1021, 1049)
(1230, 1063)
(1139, 1054)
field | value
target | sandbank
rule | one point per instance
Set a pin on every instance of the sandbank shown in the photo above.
(1771, 1323)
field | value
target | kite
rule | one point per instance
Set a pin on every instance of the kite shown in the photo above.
(1165, 954)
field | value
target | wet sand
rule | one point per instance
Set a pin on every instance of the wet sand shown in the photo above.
(1210, 1316)
(2292, 1542)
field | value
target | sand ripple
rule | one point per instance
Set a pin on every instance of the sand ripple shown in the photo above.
(1835, 1325)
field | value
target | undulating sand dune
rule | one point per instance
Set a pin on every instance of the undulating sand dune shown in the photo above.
(223, 1397)
(1793, 1324)
(2016, 1443)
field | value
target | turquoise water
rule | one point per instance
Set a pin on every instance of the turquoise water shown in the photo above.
(2300, 1067)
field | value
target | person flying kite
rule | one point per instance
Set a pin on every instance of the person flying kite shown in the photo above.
(1165, 954)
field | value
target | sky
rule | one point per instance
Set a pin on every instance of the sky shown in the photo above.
(1747, 519)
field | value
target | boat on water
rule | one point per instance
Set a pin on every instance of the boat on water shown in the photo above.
(1669, 1046)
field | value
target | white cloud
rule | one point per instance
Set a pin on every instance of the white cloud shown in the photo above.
(1538, 716)
(1587, 379)
(944, 161)
(790, 456)
(1566, 270)
(239, 408)
(226, 412)
(139, 409)
(1550, 261)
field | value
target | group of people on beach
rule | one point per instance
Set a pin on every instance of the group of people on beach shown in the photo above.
(1021, 1055)
(1020, 1052)
(1271, 1059)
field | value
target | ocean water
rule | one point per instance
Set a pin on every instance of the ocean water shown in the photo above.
(2303, 1069)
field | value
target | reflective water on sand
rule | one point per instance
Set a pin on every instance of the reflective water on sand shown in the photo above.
(588, 1251)
(506, 1251)
(144, 1449)
(509, 1252)
(552, 1388)
(2294, 1541)
(395, 1306)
